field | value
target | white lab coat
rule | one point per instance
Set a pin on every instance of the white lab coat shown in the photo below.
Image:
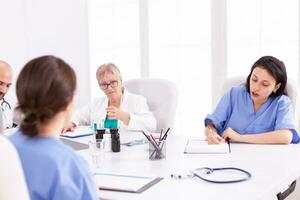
(7, 116)
(136, 105)
(12, 182)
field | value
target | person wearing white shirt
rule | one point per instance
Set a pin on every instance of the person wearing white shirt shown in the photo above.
(5, 83)
(13, 184)
(131, 110)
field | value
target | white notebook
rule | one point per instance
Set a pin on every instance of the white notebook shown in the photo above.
(124, 182)
(198, 146)
(79, 131)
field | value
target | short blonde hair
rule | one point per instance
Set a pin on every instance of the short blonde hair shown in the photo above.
(109, 67)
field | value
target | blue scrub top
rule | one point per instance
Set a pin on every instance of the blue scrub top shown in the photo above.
(235, 110)
(53, 170)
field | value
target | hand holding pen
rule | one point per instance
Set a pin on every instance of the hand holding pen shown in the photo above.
(212, 136)
(232, 135)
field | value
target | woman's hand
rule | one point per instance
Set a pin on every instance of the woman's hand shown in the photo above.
(117, 113)
(212, 136)
(232, 135)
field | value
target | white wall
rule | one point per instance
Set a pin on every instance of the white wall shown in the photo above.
(31, 28)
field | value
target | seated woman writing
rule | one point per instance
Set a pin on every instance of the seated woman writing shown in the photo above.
(257, 112)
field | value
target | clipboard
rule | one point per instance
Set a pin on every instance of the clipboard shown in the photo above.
(124, 182)
(80, 131)
(75, 145)
(198, 146)
(75, 136)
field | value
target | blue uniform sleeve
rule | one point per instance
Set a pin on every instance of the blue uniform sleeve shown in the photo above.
(285, 118)
(74, 181)
(222, 112)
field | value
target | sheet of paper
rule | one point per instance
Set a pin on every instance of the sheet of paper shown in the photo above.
(79, 132)
(75, 145)
(124, 183)
(197, 146)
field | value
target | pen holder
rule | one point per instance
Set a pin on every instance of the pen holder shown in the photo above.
(157, 149)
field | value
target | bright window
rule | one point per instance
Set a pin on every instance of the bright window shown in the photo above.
(178, 44)
(114, 37)
(179, 40)
(262, 27)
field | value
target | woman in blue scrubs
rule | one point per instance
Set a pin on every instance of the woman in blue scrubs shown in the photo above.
(45, 90)
(257, 112)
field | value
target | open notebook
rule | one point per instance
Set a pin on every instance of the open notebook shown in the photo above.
(79, 131)
(198, 146)
(124, 182)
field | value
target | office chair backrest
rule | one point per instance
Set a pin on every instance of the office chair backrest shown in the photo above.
(292, 91)
(12, 181)
(161, 97)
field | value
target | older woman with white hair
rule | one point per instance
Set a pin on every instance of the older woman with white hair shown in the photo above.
(130, 110)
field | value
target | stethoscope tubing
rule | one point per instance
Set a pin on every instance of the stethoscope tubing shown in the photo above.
(210, 170)
(5, 103)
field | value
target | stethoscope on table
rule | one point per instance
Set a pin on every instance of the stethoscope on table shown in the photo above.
(206, 174)
(5, 105)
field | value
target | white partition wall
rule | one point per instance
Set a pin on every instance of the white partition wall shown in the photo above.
(31, 28)
(197, 44)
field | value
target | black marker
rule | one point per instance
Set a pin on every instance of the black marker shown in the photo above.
(165, 135)
(228, 142)
(161, 134)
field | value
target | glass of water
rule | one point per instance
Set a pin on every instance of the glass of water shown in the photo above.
(96, 150)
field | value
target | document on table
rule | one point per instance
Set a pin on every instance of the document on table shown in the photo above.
(79, 131)
(198, 146)
(75, 145)
(124, 182)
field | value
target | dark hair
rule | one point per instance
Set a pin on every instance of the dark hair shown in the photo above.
(45, 86)
(275, 68)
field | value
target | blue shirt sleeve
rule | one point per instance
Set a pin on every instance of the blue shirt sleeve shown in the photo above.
(285, 117)
(221, 113)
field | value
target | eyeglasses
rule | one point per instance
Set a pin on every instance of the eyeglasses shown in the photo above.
(112, 84)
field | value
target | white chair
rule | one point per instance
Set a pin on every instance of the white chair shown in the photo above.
(12, 181)
(161, 97)
(292, 91)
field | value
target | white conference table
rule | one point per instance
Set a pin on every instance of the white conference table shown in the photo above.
(273, 168)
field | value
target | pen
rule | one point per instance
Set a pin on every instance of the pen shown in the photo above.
(161, 134)
(153, 143)
(228, 142)
(165, 135)
(153, 139)
(146, 135)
